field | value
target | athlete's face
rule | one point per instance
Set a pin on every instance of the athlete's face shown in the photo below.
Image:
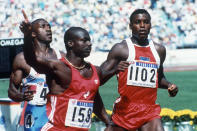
(82, 45)
(43, 31)
(140, 26)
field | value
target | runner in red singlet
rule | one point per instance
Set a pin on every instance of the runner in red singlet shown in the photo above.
(73, 83)
(136, 109)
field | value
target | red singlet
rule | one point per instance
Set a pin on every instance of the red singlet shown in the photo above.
(72, 110)
(137, 87)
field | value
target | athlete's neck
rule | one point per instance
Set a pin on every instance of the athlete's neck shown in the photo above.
(76, 62)
(140, 42)
(45, 47)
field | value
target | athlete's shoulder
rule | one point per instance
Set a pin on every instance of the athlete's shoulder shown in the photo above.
(20, 60)
(19, 63)
(121, 44)
(159, 47)
(161, 50)
(119, 51)
(119, 47)
(19, 56)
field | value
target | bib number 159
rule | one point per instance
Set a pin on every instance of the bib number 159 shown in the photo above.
(82, 114)
(79, 113)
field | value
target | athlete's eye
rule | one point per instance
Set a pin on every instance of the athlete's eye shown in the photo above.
(147, 22)
(137, 22)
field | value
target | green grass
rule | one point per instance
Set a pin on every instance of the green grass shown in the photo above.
(187, 95)
(4, 84)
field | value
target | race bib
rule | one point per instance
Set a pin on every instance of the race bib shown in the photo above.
(79, 113)
(40, 92)
(142, 73)
(29, 120)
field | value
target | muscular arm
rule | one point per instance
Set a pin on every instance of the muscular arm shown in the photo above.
(41, 61)
(14, 86)
(19, 70)
(163, 82)
(110, 66)
(99, 109)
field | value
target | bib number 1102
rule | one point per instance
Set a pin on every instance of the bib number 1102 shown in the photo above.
(141, 76)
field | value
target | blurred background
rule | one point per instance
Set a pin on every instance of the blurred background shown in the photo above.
(174, 22)
(174, 25)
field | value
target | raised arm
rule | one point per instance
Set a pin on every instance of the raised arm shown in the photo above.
(35, 35)
(163, 82)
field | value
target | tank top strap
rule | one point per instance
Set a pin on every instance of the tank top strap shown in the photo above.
(32, 72)
(93, 67)
(131, 49)
(32, 75)
(154, 51)
(66, 62)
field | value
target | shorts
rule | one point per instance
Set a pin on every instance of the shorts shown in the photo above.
(35, 117)
(135, 115)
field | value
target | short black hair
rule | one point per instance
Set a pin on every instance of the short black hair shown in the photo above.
(37, 21)
(139, 11)
(70, 35)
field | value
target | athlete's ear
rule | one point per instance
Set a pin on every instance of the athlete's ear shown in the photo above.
(70, 43)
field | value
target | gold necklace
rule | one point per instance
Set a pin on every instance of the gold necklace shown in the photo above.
(79, 68)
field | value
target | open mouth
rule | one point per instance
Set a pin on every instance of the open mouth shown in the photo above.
(142, 32)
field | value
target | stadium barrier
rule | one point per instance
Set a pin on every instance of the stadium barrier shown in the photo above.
(174, 58)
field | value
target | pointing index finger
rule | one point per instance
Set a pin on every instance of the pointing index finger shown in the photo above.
(25, 16)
